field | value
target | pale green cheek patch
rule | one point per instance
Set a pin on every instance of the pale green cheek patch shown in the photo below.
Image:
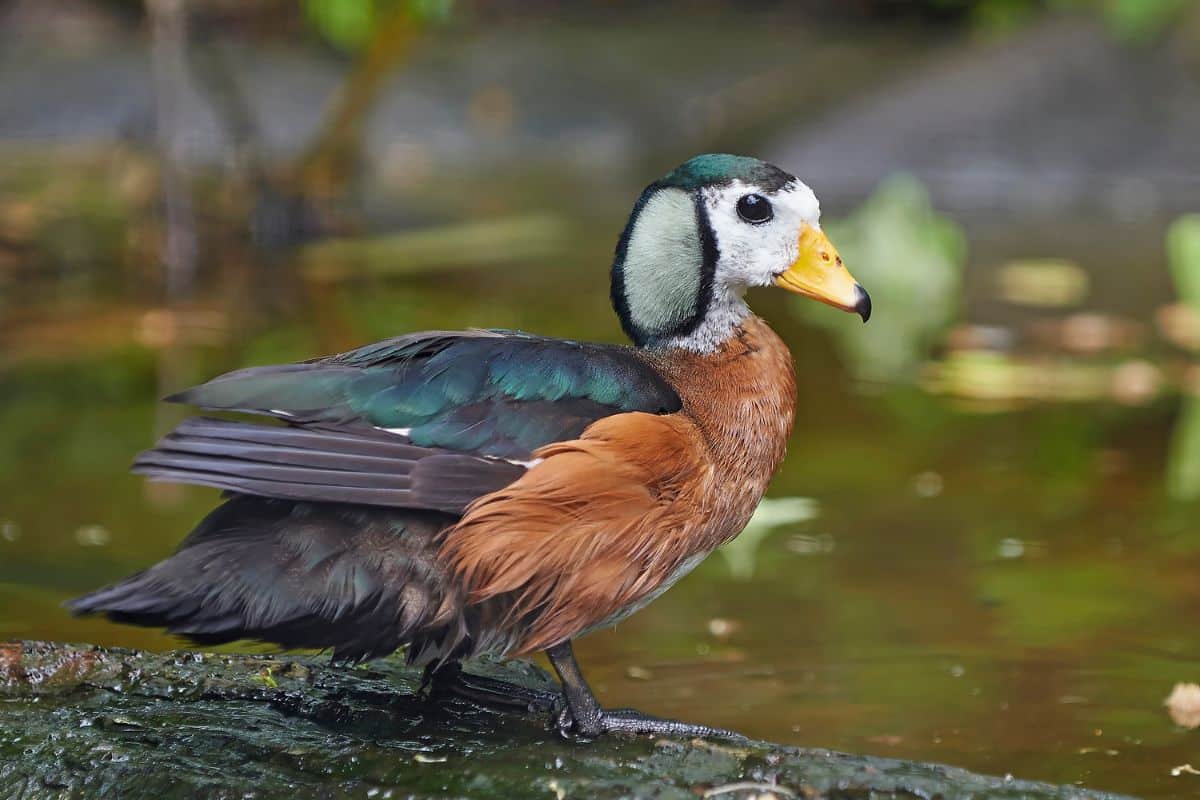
(664, 264)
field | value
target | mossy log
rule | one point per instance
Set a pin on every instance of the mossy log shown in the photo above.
(82, 721)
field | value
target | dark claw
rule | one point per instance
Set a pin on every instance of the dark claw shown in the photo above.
(564, 722)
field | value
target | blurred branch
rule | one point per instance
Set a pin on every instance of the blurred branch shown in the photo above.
(169, 28)
(210, 66)
(326, 166)
(286, 205)
(464, 246)
(168, 20)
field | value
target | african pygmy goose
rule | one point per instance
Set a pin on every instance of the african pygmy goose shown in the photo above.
(491, 491)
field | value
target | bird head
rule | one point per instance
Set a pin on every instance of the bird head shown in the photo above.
(704, 233)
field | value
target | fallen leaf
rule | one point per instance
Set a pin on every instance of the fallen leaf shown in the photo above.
(1183, 705)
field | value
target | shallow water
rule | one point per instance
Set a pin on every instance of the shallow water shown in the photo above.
(1009, 590)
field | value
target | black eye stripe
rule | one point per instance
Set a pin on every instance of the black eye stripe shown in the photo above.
(755, 209)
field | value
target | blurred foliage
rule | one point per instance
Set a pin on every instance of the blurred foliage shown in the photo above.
(1183, 465)
(72, 221)
(1183, 258)
(349, 24)
(1135, 20)
(1142, 19)
(1044, 282)
(911, 260)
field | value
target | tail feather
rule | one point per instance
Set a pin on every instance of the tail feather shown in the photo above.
(308, 439)
(266, 472)
(361, 582)
(185, 442)
(286, 463)
(365, 467)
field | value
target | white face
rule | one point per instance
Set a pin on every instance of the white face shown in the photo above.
(753, 252)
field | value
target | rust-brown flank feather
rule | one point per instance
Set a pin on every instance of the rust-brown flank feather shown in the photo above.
(603, 520)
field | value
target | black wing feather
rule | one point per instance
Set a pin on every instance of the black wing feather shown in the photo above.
(324, 466)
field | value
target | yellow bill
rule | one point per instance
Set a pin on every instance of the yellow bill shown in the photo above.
(818, 272)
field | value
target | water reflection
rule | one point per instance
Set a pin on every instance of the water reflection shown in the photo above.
(772, 513)
(986, 589)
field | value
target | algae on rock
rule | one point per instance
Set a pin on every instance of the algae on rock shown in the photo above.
(82, 721)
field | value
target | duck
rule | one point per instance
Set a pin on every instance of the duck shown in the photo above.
(493, 492)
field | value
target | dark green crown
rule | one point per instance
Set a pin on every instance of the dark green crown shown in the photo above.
(714, 169)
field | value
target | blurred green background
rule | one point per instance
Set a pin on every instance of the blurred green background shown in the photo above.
(984, 547)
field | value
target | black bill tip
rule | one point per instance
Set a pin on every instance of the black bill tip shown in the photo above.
(862, 302)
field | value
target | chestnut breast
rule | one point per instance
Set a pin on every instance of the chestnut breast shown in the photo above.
(742, 401)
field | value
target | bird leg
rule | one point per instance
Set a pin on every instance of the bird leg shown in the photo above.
(451, 679)
(584, 716)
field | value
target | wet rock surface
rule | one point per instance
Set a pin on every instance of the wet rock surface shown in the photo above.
(82, 721)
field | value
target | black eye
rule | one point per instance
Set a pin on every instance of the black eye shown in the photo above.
(755, 208)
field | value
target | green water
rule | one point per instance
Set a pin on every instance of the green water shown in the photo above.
(1010, 591)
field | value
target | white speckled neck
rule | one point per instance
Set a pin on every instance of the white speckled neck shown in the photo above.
(726, 312)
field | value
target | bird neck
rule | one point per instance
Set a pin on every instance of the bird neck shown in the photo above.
(742, 395)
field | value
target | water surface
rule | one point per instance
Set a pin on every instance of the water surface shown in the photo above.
(1005, 586)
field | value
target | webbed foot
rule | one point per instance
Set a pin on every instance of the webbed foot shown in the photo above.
(583, 716)
(631, 722)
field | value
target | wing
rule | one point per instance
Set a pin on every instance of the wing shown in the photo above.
(431, 420)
